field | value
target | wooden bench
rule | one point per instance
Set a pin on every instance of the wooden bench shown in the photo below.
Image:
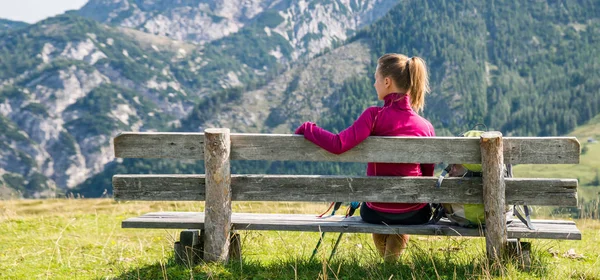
(218, 187)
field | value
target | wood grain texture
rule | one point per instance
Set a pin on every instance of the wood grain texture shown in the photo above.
(299, 222)
(492, 166)
(159, 145)
(541, 150)
(288, 147)
(541, 191)
(218, 195)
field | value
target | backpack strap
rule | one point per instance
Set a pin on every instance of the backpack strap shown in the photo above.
(525, 219)
(352, 208)
(438, 184)
(438, 213)
(334, 205)
(322, 214)
(438, 208)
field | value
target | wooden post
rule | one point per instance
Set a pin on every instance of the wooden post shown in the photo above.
(492, 163)
(217, 211)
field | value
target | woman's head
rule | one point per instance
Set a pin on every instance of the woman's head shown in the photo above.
(398, 73)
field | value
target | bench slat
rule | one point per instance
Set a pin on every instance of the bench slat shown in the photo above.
(301, 222)
(288, 147)
(558, 192)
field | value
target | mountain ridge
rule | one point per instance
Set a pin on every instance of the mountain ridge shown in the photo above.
(8, 25)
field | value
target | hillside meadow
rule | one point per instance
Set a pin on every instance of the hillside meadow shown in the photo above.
(82, 239)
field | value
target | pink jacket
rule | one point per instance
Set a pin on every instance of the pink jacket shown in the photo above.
(395, 118)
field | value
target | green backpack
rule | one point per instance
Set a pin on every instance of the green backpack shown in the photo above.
(471, 215)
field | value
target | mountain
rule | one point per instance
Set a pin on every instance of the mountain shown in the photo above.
(199, 21)
(7, 25)
(309, 27)
(522, 69)
(68, 85)
(292, 96)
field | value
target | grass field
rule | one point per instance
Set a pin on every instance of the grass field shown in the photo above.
(82, 239)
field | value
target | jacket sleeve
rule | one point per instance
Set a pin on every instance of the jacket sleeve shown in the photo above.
(427, 169)
(345, 140)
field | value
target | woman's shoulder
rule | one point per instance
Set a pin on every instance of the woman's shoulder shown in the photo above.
(426, 121)
(373, 110)
(429, 125)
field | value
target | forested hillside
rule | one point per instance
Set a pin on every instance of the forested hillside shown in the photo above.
(522, 68)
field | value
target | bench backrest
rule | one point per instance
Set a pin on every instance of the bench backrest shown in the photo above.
(517, 150)
(288, 147)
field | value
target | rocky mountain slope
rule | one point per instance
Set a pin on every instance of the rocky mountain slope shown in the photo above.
(308, 26)
(67, 86)
(294, 95)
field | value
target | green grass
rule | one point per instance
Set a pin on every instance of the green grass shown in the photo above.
(82, 239)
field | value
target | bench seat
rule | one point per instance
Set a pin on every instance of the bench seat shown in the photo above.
(544, 229)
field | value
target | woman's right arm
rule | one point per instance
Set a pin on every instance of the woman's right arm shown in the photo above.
(345, 140)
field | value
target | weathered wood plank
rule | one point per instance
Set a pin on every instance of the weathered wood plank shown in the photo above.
(300, 222)
(492, 165)
(557, 222)
(159, 145)
(218, 195)
(288, 147)
(159, 187)
(541, 150)
(373, 149)
(558, 192)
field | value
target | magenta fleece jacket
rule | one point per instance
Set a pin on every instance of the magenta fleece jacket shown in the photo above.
(395, 118)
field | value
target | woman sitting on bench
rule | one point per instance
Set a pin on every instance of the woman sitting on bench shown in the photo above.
(402, 83)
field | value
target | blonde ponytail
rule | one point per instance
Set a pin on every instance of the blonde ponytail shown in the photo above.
(409, 74)
(419, 82)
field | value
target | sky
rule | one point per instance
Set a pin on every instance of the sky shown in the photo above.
(32, 11)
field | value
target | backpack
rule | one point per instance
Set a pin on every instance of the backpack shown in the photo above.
(472, 215)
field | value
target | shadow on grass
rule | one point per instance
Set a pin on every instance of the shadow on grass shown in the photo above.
(419, 264)
(281, 270)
